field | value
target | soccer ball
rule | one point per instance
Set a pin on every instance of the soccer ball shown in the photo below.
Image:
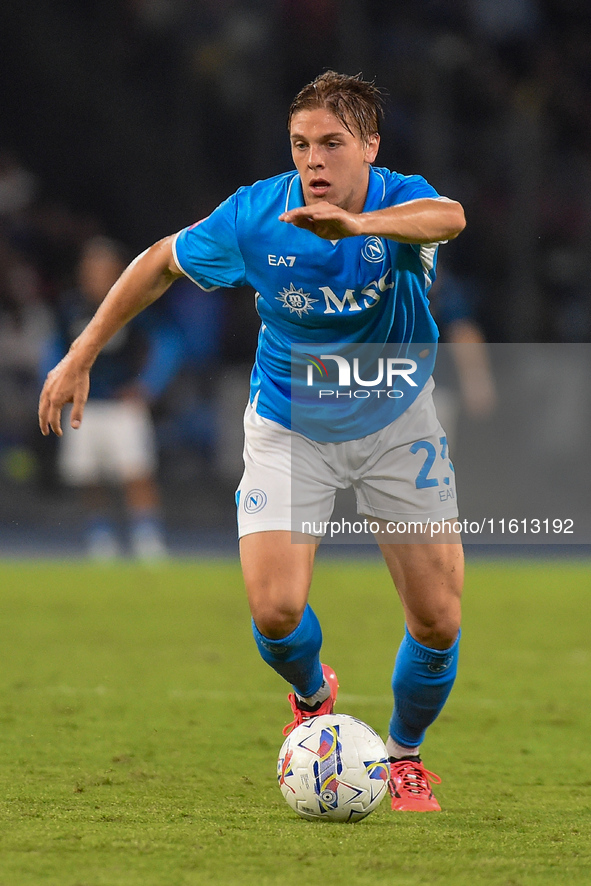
(333, 768)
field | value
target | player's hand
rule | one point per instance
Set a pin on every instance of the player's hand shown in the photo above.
(67, 383)
(324, 219)
(134, 392)
(479, 395)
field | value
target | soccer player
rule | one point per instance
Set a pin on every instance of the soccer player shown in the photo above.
(338, 251)
(116, 447)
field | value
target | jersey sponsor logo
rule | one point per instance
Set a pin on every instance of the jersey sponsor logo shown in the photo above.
(373, 249)
(332, 300)
(287, 261)
(372, 294)
(254, 501)
(296, 300)
(299, 302)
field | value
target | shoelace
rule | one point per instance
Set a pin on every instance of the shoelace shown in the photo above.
(298, 716)
(330, 680)
(415, 778)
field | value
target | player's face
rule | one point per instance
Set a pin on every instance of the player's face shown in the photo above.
(333, 163)
(97, 271)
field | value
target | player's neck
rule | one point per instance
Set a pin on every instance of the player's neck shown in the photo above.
(355, 202)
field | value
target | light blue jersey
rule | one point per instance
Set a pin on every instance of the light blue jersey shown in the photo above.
(311, 291)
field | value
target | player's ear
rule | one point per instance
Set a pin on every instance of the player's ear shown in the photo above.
(371, 149)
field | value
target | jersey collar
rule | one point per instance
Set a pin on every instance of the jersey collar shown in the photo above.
(376, 190)
(295, 193)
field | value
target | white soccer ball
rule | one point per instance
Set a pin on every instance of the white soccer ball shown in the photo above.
(333, 768)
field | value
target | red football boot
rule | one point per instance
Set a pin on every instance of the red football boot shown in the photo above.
(327, 706)
(410, 787)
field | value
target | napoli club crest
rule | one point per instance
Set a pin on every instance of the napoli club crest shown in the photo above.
(254, 501)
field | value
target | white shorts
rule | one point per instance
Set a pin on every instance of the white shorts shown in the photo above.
(400, 473)
(115, 442)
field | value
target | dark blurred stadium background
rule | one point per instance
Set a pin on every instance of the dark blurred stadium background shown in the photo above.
(133, 118)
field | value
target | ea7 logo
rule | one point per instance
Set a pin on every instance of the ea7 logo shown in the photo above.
(287, 261)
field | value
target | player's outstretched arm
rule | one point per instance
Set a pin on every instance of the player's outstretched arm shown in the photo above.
(145, 280)
(426, 220)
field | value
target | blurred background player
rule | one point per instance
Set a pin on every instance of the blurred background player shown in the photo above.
(464, 380)
(115, 449)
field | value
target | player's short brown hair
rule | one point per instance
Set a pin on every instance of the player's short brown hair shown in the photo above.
(355, 102)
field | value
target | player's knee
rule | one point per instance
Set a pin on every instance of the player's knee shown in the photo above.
(276, 622)
(437, 630)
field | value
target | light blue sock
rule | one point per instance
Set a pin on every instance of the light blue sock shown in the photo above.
(422, 681)
(296, 657)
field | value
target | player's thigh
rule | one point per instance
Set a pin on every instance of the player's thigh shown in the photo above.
(80, 457)
(429, 578)
(286, 484)
(407, 475)
(132, 442)
(277, 572)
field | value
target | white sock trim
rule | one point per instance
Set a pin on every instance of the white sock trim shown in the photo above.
(320, 696)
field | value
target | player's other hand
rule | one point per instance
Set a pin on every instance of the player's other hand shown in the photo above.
(134, 392)
(324, 219)
(67, 383)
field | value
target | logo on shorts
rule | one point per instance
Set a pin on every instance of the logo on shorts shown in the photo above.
(373, 249)
(254, 501)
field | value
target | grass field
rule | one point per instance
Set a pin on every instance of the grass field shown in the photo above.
(139, 731)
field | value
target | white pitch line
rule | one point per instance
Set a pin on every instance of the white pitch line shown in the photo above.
(231, 695)
(224, 695)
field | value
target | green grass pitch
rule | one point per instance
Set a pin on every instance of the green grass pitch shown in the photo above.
(139, 731)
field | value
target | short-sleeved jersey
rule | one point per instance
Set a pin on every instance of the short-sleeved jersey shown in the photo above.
(363, 289)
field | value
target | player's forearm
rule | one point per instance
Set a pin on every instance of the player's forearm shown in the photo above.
(419, 221)
(145, 280)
